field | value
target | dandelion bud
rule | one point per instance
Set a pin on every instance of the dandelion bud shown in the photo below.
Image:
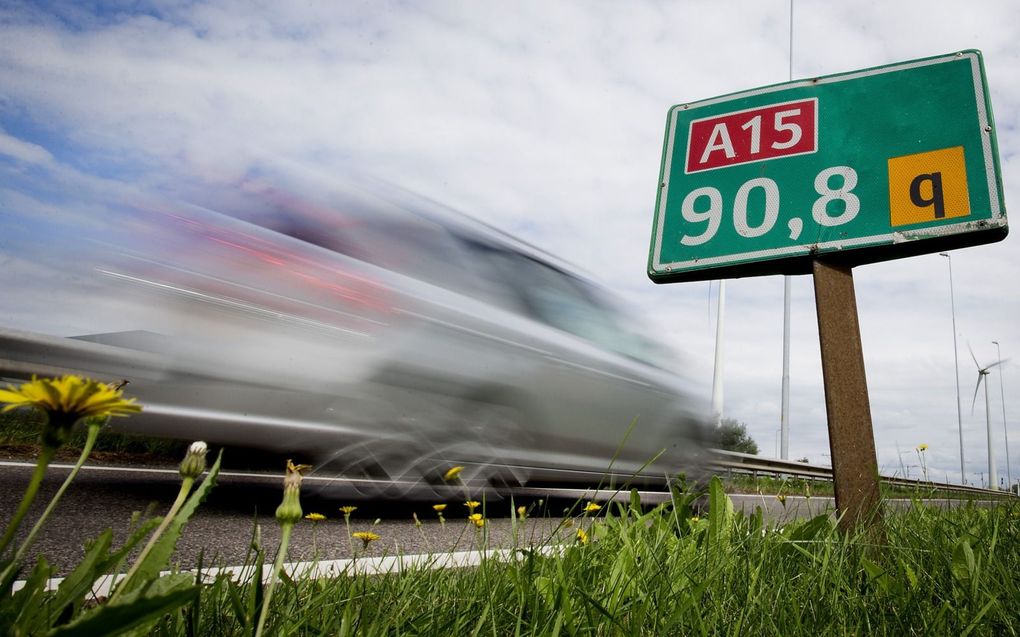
(289, 511)
(194, 461)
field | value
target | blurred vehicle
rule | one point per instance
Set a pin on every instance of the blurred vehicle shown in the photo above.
(390, 339)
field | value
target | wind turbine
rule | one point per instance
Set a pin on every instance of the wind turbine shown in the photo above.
(993, 478)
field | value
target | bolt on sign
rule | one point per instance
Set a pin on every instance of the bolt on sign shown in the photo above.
(865, 166)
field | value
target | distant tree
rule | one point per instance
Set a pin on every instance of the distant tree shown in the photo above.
(733, 436)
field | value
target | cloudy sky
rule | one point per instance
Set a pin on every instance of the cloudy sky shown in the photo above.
(545, 119)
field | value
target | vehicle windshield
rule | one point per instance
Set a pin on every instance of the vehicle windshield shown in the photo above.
(571, 304)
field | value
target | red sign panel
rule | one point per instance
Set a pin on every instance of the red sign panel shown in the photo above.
(777, 130)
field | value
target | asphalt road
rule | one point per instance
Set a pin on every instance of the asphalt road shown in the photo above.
(223, 526)
(105, 497)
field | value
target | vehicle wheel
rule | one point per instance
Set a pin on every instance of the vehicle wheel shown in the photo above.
(482, 439)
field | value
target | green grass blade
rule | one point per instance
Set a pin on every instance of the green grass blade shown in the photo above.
(117, 619)
(75, 586)
(27, 603)
(159, 556)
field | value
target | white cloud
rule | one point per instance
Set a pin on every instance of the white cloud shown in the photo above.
(23, 151)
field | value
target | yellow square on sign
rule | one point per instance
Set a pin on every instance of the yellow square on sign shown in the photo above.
(928, 186)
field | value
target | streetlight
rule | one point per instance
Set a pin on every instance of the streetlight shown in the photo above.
(956, 366)
(717, 374)
(1005, 432)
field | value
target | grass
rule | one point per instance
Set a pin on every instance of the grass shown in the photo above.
(668, 572)
(19, 434)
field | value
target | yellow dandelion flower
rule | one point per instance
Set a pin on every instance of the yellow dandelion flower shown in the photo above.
(439, 508)
(315, 517)
(922, 447)
(522, 512)
(782, 499)
(452, 473)
(348, 510)
(66, 400)
(695, 519)
(474, 517)
(582, 537)
(591, 507)
(72, 395)
(479, 522)
(366, 537)
(472, 505)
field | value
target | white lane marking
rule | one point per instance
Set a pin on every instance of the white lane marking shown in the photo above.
(331, 568)
(88, 467)
(222, 474)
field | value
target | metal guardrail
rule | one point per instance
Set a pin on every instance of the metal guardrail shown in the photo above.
(747, 463)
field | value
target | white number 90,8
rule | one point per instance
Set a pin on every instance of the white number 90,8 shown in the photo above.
(712, 213)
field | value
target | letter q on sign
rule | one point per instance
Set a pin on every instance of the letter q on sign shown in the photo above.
(928, 187)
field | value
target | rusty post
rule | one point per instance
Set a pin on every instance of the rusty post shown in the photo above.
(851, 439)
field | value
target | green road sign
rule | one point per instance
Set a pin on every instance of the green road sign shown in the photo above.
(861, 167)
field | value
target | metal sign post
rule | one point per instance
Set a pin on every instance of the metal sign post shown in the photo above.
(851, 439)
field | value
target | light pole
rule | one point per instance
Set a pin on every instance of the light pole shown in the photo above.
(956, 366)
(717, 375)
(784, 418)
(1005, 432)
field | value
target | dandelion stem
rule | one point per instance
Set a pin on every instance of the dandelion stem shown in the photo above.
(182, 495)
(285, 530)
(347, 523)
(45, 457)
(90, 441)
